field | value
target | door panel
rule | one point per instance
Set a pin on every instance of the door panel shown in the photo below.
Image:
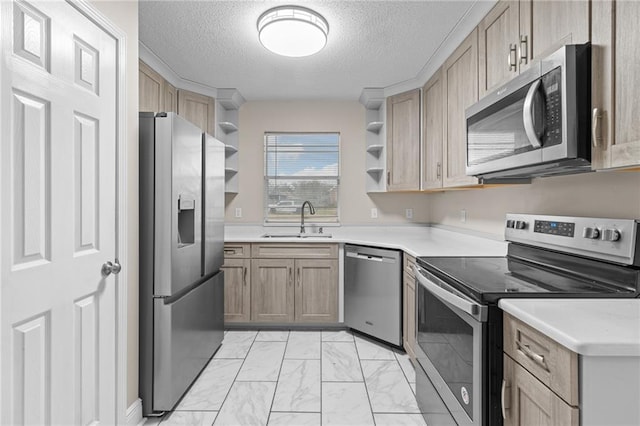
(403, 141)
(316, 294)
(272, 290)
(432, 136)
(57, 168)
(237, 281)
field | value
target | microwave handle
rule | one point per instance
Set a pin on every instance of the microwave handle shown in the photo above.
(439, 292)
(527, 115)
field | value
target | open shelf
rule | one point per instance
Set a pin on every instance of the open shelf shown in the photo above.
(375, 170)
(228, 127)
(375, 149)
(375, 126)
(230, 149)
(229, 171)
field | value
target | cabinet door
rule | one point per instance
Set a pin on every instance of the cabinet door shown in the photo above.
(170, 98)
(237, 297)
(403, 141)
(460, 78)
(409, 315)
(272, 290)
(316, 294)
(150, 89)
(432, 136)
(547, 25)
(616, 84)
(498, 36)
(198, 109)
(529, 402)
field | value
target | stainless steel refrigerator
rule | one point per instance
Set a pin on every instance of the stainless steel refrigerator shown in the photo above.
(181, 252)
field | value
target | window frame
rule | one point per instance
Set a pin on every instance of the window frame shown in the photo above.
(265, 195)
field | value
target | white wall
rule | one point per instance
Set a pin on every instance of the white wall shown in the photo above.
(124, 14)
(345, 117)
(602, 194)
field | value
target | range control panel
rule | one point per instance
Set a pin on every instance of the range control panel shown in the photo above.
(616, 240)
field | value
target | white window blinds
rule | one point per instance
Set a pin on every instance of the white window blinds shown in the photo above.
(301, 167)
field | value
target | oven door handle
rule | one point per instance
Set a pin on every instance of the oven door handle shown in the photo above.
(465, 305)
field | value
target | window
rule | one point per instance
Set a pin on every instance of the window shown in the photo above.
(301, 167)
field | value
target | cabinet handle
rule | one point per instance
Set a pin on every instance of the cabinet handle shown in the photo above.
(503, 402)
(524, 51)
(290, 276)
(511, 57)
(388, 177)
(438, 170)
(596, 131)
(537, 358)
(244, 276)
(298, 277)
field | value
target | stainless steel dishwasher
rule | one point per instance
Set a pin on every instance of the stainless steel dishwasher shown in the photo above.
(373, 292)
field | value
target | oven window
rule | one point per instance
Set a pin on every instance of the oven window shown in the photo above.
(447, 340)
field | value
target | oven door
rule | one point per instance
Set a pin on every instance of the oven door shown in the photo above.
(451, 334)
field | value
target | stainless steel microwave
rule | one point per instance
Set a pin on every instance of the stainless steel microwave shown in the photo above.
(538, 124)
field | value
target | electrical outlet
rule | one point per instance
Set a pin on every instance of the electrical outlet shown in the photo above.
(463, 215)
(238, 211)
(408, 213)
(374, 213)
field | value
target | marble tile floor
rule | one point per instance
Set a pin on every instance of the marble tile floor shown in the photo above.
(300, 378)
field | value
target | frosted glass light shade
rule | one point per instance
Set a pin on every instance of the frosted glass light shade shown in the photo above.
(292, 31)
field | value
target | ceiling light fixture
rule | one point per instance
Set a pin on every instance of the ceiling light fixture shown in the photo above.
(292, 31)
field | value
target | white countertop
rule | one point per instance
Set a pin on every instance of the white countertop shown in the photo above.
(419, 240)
(589, 327)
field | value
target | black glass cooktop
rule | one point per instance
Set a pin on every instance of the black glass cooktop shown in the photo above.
(492, 278)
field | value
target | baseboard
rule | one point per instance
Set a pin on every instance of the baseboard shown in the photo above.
(134, 413)
(284, 326)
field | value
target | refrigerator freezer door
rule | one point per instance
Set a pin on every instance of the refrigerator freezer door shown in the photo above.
(213, 198)
(187, 332)
(178, 205)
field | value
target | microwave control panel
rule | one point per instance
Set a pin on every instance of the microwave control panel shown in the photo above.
(551, 85)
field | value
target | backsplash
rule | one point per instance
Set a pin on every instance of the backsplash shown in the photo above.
(601, 194)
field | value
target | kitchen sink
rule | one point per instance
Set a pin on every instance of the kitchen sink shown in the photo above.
(305, 235)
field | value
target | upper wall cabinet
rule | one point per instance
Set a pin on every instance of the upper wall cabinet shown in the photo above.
(516, 33)
(155, 94)
(615, 84)
(198, 109)
(403, 141)
(432, 132)
(460, 85)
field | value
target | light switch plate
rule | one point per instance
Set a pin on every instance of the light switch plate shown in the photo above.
(238, 211)
(463, 215)
(374, 213)
(408, 213)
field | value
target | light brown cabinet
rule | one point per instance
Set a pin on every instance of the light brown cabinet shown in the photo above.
(432, 134)
(237, 290)
(409, 307)
(516, 33)
(198, 109)
(615, 84)
(151, 89)
(281, 283)
(460, 89)
(403, 141)
(170, 98)
(272, 290)
(316, 292)
(540, 381)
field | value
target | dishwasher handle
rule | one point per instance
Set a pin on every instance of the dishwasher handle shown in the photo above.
(371, 257)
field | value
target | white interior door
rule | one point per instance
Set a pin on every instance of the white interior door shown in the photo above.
(58, 217)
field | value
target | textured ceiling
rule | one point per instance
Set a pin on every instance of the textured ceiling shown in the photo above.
(370, 44)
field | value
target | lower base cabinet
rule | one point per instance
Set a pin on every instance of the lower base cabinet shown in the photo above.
(281, 284)
(237, 277)
(409, 307)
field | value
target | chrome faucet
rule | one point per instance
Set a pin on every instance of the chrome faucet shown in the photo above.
(311, 211)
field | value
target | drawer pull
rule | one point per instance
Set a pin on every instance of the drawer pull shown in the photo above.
(537, 358)
(229, 251)
(503, 402)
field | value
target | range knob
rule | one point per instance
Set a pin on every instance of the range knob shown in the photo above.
(611, 235)
(591, 233)
(521, 224)
(510, 223)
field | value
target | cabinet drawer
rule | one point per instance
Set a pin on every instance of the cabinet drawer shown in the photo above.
(409, 262)
(237, 250)
(551, 363)
(297, 251)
